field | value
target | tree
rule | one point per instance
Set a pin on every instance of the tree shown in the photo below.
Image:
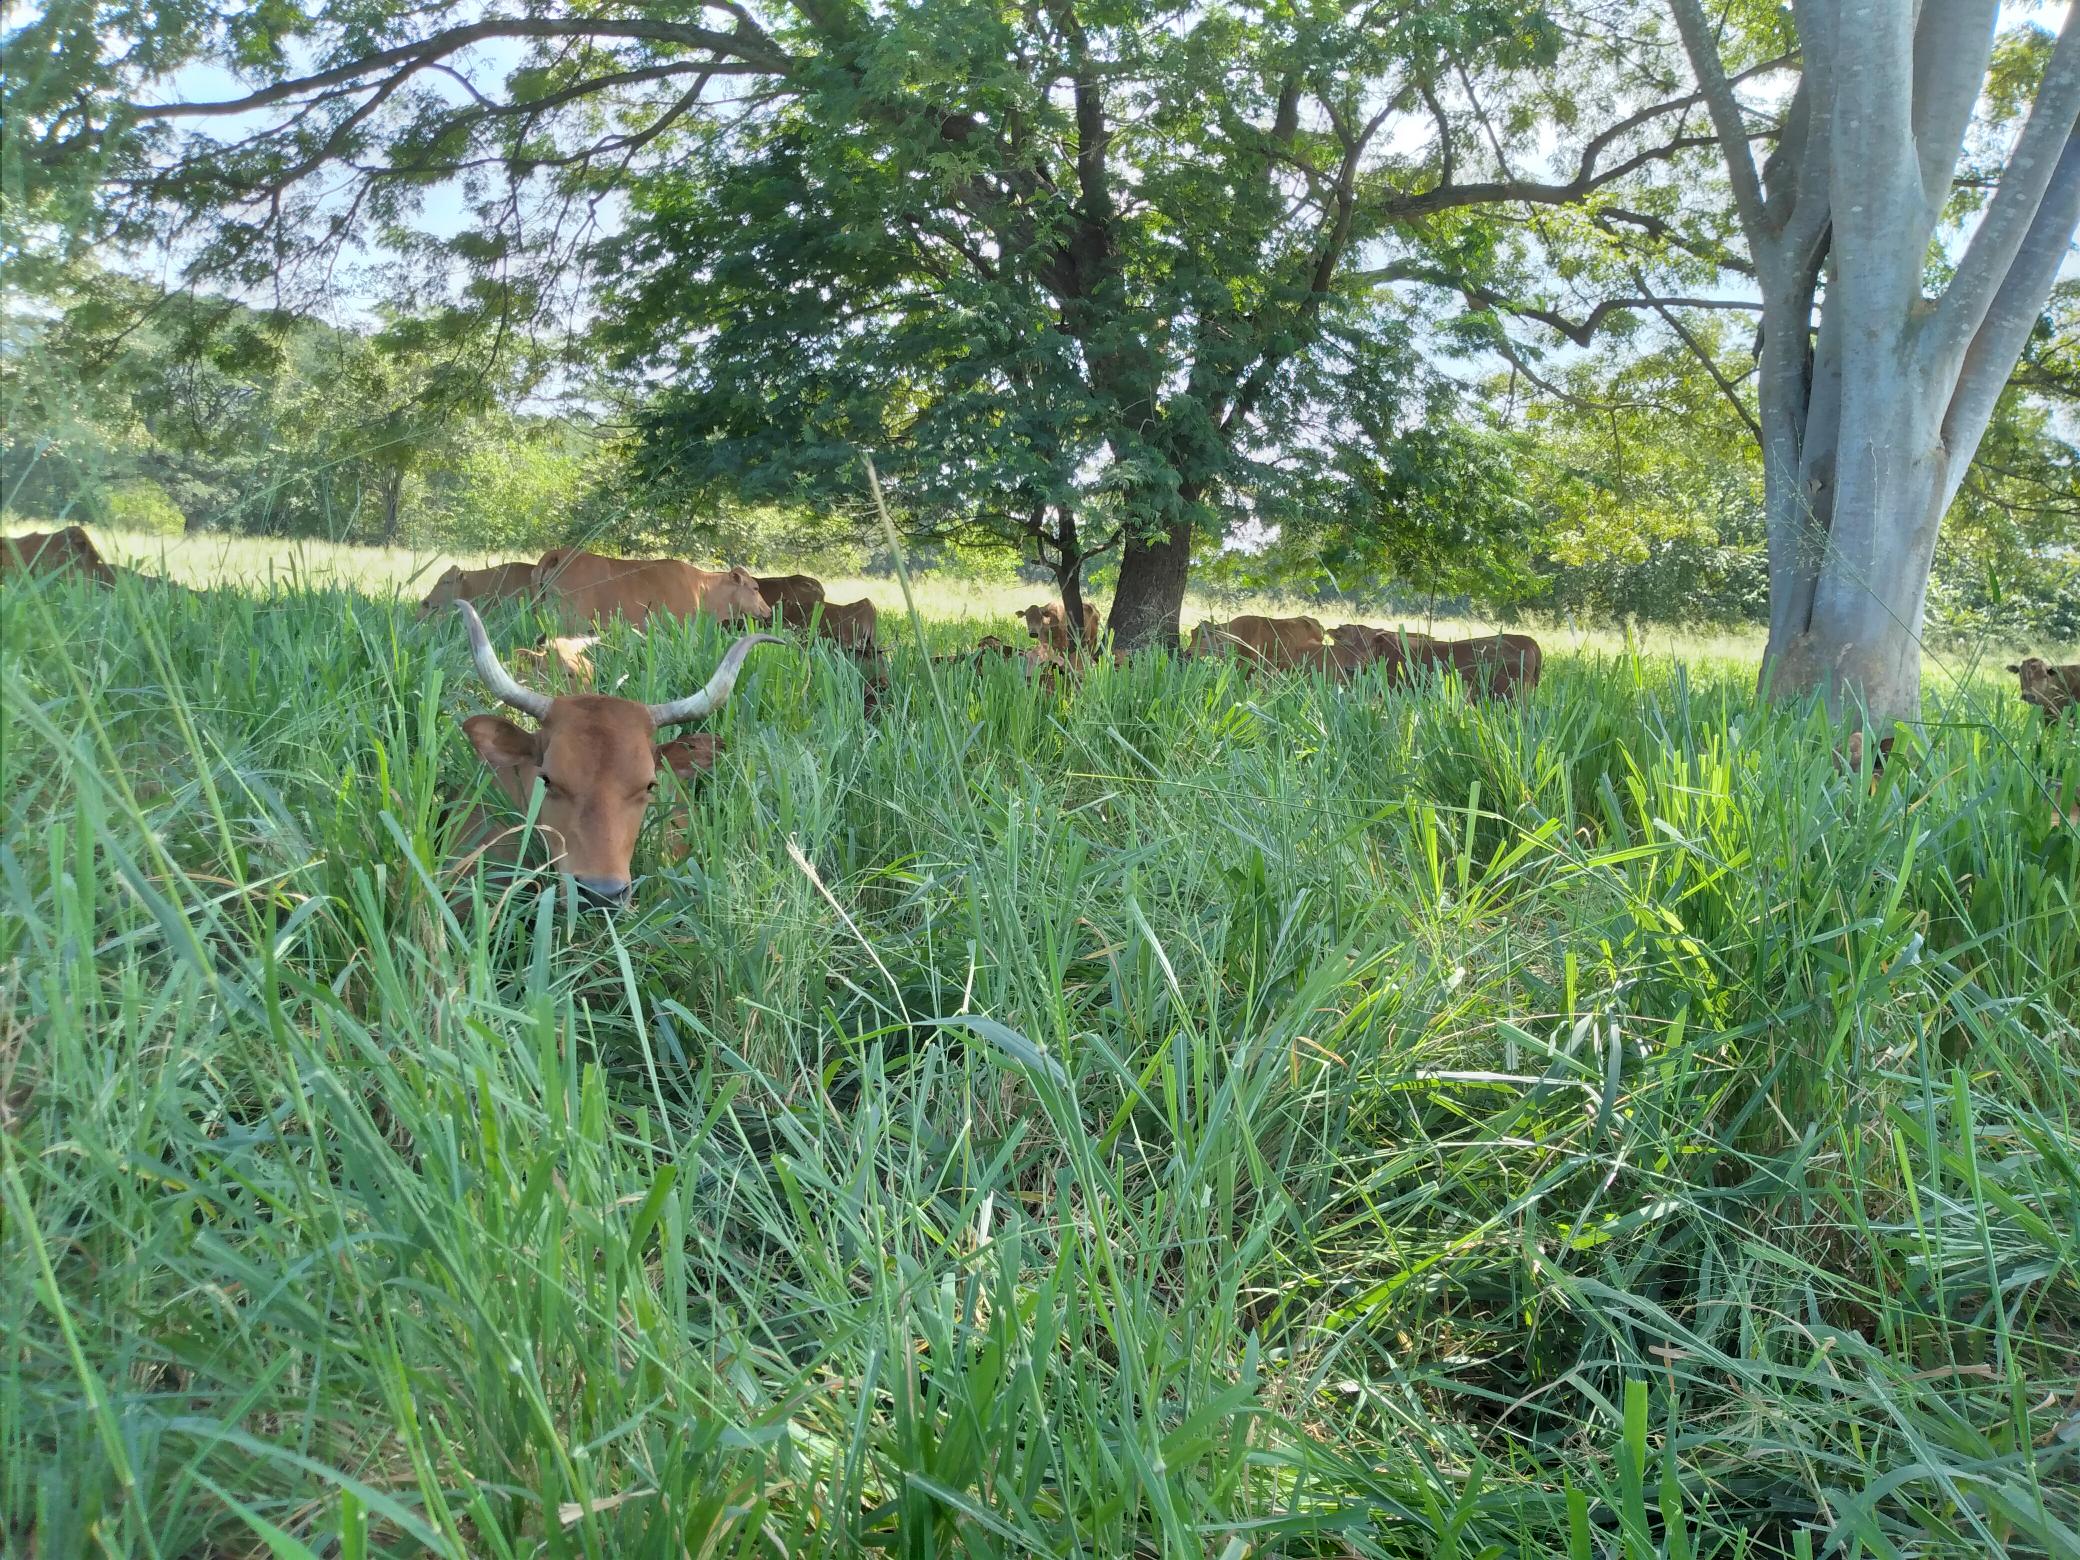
(1188, 212)
(1871, 419)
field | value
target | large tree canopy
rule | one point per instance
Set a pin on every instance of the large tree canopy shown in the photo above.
(1075, 260)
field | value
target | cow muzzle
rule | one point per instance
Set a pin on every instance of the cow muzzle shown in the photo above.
(604, 893)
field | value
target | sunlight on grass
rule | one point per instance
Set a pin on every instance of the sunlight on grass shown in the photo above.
(1105, 1123)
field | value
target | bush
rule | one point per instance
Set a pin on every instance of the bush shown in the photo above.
(140, 504)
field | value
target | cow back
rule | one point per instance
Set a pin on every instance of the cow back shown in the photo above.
(791, 596)
(852, 624)
(587, 587)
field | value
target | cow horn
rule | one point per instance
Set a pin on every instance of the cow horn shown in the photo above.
(719, 686)
(496, 678)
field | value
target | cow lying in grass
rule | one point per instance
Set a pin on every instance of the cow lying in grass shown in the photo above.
(595, 760)
(2052, 689)
(70, 551)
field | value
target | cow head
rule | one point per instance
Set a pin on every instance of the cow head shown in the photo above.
(1045, 623)
(2033, 670)
(737, 595)
(445, 589)
(595, 758)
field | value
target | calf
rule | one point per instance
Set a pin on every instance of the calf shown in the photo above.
(1049, 624)
(561, 656)
(2052, 689)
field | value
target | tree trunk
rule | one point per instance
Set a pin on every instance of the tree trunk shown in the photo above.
(1867, 436)
(1069, 575)
(1149, 603)
(393, 505)
(1858, 642)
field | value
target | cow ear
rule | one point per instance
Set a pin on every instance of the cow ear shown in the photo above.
(2014, 668)
(690, 756)
(500, 743)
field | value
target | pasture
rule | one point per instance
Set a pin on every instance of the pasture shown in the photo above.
(1181, 1115)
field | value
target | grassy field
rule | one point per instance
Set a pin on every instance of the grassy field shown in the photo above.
(1184, 1116)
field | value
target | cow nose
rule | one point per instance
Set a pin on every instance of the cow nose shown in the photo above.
(604, 893)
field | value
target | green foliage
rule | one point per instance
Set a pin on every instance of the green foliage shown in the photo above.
(195, 411)
(142, 505)
(1351, 1119)
(1061, 326)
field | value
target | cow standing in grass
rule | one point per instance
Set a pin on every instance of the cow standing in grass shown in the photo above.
(1049, 624)
(70, 551)
(794, 598)
(1280, 644)
(500, 582)
(1504, 666)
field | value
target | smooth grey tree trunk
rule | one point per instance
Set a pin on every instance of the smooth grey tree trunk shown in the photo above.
(1870, 421)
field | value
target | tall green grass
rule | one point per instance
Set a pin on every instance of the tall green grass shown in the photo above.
(1188, 1116)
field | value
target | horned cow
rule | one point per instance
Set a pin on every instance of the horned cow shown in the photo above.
(595, 757)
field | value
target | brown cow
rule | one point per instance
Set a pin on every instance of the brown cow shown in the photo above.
(794, 598)
(1049, 624)
(1283, 644)
(497, 583)
(561, 656)
(588, 588)
(1848, 758)
(1504, 665)
(850, 623)
(2053, 689)
(1357, 645)
(595, 757)
(55, 552)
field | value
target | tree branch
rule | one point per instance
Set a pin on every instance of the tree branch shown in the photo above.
(1952, 46)
(2012, 220)
(1727, 120)
(419, 55)
(1663, 307)
(2016, 307)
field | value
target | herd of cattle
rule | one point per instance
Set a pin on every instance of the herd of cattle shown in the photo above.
(586, 589)
(590, 764)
